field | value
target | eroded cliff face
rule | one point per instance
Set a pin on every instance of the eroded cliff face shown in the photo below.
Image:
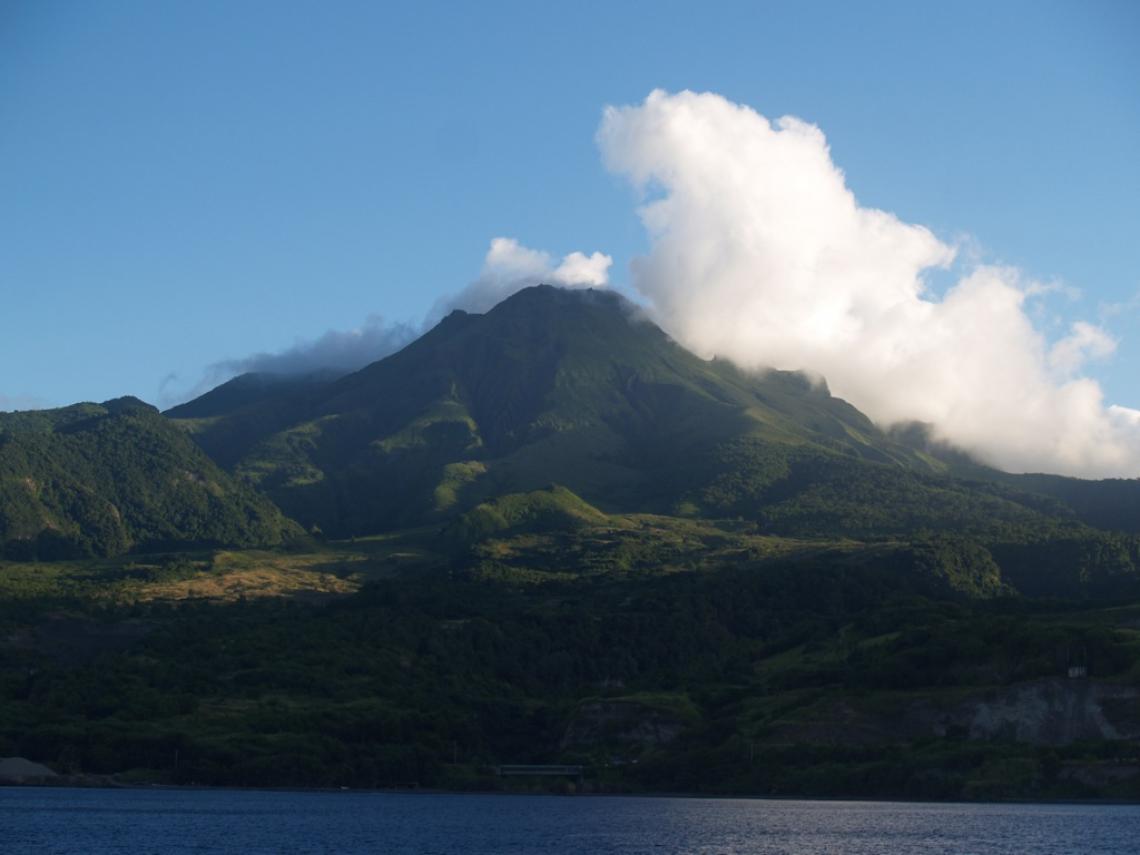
(1048, 712)
(1042, 712)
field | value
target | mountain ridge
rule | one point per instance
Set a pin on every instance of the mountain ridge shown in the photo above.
(554, 386)
(611, 404)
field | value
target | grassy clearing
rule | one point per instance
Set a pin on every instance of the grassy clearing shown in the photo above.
(223, 576)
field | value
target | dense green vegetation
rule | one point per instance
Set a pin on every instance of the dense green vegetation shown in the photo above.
(101, 479)
(575, 388)
(550, 386)
(793, 672)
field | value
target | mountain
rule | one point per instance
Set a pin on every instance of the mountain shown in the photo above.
(102, 479)
(579, 389)
(574, 390)
(572, 387)
(230, 419)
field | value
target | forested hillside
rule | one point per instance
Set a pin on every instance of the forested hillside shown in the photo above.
(102, 479)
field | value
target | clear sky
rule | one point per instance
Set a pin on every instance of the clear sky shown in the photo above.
(188, 182)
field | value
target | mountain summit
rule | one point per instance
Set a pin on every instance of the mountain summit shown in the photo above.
(575, 387)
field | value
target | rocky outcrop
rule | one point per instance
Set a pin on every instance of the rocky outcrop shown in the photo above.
(1049, 712)
(1042, 712)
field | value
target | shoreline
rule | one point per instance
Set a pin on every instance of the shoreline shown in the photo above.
(427, 791)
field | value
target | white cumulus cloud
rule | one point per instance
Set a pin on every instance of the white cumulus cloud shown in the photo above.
(509, 267)
(761, 253)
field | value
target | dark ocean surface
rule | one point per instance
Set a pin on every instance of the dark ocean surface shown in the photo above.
(243, 821)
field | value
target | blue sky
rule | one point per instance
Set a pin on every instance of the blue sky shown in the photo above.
(185, 183)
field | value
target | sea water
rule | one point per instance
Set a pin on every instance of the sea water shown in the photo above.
(93, 821)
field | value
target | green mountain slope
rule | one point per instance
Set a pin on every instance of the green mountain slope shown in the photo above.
(247, 391)
(550, 386)
(230, 419)
(576, 388)
(1111, 503)
(101, 479)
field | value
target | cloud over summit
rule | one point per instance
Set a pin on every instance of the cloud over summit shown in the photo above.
(761, 253)
(334, 350)
(509, 267)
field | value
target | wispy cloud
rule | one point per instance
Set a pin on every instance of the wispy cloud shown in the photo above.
(334, 350)
(508, 267)
(1121, 308)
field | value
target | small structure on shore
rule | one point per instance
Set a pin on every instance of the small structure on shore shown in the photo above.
(542, 771)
